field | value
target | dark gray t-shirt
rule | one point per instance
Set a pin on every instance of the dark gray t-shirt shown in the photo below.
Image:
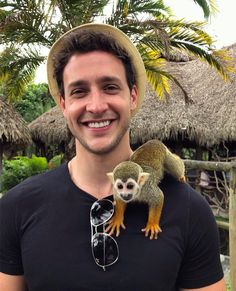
(45, 234)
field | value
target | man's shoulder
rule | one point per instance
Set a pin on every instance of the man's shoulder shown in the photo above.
(41, 183)
(46, 178)
(181, 191)
(170, 185)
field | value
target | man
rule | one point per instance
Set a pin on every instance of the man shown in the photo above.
(97, 77)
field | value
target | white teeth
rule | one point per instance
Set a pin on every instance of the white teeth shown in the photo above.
(99, 124)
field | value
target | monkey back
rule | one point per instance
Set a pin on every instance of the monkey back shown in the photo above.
(151, 154)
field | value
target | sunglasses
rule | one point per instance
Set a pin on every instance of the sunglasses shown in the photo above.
(104, 247)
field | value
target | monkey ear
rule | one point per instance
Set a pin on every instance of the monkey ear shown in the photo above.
(111, 177)
(143, 178)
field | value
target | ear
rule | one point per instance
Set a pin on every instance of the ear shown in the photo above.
(134, 98)
(62, 105)
(143, 178)
(111, 177)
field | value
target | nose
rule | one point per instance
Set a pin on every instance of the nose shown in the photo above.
(97, 102)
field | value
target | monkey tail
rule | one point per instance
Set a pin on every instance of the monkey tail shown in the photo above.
(174, 165)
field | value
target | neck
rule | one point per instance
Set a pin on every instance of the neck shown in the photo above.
(89, 171)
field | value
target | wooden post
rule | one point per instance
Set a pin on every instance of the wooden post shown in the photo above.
(210, 166)
(1, 158)
(198, 171)
(225, 166)
(232, 227)
(222, 224)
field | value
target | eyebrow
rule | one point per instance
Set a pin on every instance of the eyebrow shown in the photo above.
(102, 80)
(109, 79)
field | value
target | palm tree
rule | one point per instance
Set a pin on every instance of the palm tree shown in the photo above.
(27, 26)
(157, 35)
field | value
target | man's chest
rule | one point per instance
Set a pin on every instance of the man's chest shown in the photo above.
(57, 255)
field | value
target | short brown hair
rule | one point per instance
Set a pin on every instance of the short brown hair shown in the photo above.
(86, 41)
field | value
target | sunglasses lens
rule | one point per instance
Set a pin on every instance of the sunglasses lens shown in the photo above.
(101, 212)
(105, 249)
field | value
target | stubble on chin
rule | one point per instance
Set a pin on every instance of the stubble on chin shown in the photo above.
(105, 149)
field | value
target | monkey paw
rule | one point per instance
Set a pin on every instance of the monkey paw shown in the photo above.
(153, 228)
(182, 179)
(114, 225)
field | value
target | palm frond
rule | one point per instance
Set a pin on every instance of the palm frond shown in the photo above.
(154, 8)
(157, 75)
(219, 61)
(74, 12)
(208, 6)
(24, 26)
(190, 37)
(17, 70)
(124, 12)
(158, 81)
(189, 31)
(225, 59)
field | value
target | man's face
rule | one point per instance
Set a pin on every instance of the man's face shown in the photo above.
(98, 101)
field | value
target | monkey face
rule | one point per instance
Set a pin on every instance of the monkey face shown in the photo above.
(128, 190)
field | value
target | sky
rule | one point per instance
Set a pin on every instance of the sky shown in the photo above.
(222, 26)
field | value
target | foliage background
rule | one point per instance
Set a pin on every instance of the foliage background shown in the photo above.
(34, 102)
(21, 167)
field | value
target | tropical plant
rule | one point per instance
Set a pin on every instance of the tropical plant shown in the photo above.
(34, 102)
(27, 26)
(20, 168)
(158, 35)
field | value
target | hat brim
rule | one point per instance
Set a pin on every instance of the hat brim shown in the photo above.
(123, 41)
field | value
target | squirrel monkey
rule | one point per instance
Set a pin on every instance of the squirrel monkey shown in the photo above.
(138, 179)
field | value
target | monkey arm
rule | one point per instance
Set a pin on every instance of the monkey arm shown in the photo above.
(117, 221)
(153, 223)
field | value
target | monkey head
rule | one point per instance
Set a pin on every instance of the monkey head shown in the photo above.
(127, 179)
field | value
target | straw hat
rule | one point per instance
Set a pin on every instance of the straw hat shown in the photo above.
(122, 40)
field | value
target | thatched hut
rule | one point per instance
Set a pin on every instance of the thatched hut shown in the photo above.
(50, 129)
(208, 121)
(14, 132)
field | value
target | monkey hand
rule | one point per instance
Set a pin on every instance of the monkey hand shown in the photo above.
(114, 225)
(182, 179)
(153, 228)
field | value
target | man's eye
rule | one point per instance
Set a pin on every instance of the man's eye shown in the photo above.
(78, 92)
(111, 88)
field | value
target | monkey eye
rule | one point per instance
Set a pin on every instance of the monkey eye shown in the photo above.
(120, 186)
(130, 186)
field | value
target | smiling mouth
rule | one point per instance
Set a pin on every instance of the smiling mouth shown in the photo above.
(99, 124)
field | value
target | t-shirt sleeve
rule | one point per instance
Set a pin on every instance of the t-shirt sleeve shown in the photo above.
(10, 252)
(201, 264)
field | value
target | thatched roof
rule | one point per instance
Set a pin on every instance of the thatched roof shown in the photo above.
(14, 132)
(50, 128)
(209, 120)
